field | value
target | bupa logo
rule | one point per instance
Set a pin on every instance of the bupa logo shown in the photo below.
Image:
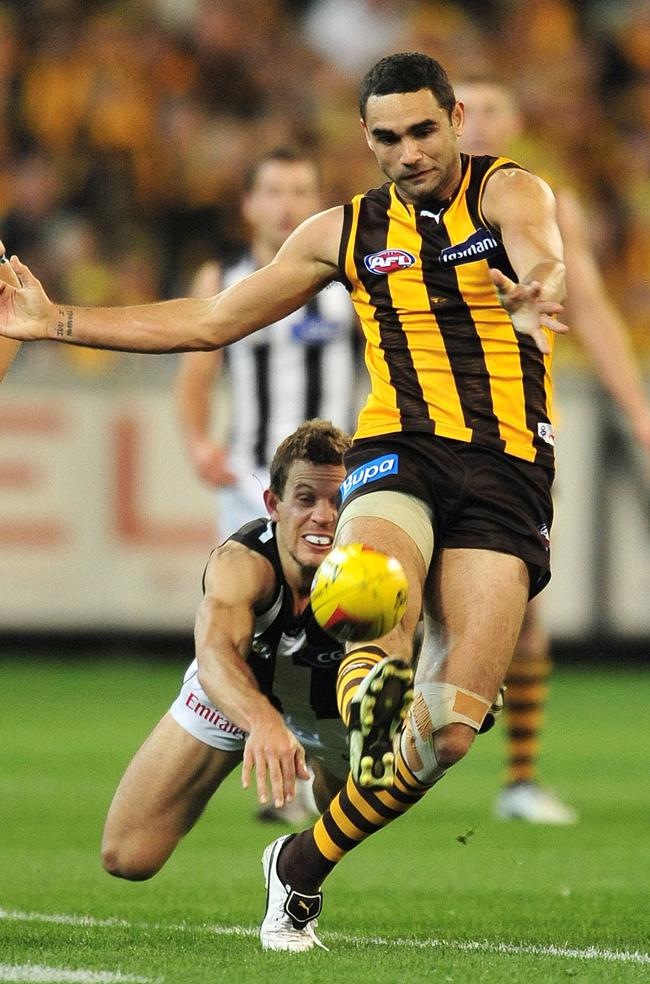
(388, 261)
(476, 247)
(388, 464)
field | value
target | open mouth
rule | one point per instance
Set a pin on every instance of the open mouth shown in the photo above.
(322, 541)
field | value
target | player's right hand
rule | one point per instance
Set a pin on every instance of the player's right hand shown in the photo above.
(529, 312)
(278, 759)
(25, 311)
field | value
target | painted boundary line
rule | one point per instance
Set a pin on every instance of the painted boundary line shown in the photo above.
(469, 946)
(37, 974)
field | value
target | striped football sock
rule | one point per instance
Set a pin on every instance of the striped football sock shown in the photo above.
(352, 671)
(524, 716)
(353, 815)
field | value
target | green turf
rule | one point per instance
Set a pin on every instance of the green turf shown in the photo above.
(69, 728)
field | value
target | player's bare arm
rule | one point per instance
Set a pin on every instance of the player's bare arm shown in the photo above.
(303, 266)
(522, 207)
(239, 582)
(597, 322)
(198, 372)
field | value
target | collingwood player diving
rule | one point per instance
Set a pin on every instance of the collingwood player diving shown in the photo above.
(262, 687)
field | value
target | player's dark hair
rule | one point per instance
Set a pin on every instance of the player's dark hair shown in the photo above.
(286, 155)
(407, 71)
(316, 441)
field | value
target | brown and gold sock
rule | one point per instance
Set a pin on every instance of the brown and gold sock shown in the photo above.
(353, 815)
(525, 702)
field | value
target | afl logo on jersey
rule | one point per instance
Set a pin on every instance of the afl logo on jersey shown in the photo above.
(388, 261)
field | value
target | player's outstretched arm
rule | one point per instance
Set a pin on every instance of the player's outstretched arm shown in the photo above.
(237, 582)
(522, 207)
(305, 263)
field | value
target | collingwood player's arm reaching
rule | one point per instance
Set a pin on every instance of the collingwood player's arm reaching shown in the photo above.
(237, 581)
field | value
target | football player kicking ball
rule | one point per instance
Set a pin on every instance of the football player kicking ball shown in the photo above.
(455, 267)
(262, 687)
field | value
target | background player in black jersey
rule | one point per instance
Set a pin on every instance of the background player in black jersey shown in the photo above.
(262, 688)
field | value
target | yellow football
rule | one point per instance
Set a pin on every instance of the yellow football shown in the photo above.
(358, 593)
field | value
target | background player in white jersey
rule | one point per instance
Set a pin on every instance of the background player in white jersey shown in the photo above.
(493, 121)
(303, 367)
(262, 687)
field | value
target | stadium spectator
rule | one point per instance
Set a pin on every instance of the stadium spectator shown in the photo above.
(258, 648)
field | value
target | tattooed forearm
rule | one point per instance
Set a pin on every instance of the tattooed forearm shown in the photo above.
(64, 323)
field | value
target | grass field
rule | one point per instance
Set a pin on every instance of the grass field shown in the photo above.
(513, 903)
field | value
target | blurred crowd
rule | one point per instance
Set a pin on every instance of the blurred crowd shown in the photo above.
(127, 127)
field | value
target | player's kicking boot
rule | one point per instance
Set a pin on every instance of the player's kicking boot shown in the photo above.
(290, 918)
(376, 711)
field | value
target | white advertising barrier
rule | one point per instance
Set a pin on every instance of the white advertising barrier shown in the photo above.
(102, 522)
(104, 526)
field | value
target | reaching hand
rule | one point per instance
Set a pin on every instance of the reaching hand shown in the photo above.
(25, 310)
(528, 312)
(211, 463)
(277, 757)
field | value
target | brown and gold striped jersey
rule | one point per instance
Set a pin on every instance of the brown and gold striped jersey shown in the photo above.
(441, 351)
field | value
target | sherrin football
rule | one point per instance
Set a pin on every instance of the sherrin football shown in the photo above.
(358, 593)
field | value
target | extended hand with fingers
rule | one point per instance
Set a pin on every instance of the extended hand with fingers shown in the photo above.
(25, 310)
(278, 759)
(529, 312)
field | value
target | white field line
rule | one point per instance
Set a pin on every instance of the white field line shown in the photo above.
(468, 946)
(37, 974)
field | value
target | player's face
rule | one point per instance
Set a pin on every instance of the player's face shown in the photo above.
(415, 143)
(285, 193)
(306, 513)
(491, 118)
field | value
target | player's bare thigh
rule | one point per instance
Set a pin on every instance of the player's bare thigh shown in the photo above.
(163, 792)
(381, 533)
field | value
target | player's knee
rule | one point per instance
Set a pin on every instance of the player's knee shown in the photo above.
(119, 860)
(452, 743)
(440, 728)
